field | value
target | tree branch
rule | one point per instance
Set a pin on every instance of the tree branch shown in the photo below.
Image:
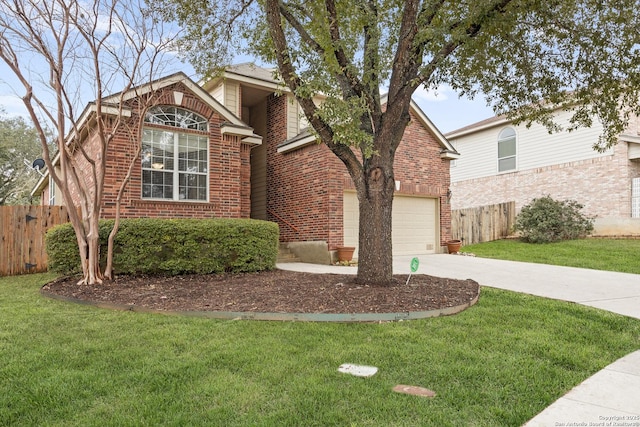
(472, 30)
(292, 80)
(405, 63)
(351, 85)
(299, 27)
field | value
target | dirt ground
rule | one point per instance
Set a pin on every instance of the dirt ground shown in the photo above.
(276, 291)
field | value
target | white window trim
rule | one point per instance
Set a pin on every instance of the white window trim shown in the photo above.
(189, 121)
(515, 156)
(52, 191)
(176, 173)
(635, 198)
(177, 131)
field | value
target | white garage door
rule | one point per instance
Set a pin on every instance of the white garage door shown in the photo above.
(415, 224)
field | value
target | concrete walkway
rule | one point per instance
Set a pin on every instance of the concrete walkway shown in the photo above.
(611, 396)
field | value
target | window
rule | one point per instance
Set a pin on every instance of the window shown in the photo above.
(175, 163)
(635, 198)
(176, 117)
(507, 150)
(52, 191)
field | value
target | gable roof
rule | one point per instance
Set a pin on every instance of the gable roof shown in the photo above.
(306, 137)
(232, 125)
(172, 79)
(250, 73)
(448, 151)
(478, 126)
(260, 73)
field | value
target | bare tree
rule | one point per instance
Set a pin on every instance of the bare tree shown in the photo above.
(60, 51)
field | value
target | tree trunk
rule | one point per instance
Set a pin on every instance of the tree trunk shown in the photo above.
(87, 234)
(108, 271)
(93, 240)
(375, 254)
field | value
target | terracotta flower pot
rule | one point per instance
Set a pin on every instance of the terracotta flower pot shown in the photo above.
(454, 246)
(345, 253)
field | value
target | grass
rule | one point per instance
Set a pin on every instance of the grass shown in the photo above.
(498, 363)
(597, 254)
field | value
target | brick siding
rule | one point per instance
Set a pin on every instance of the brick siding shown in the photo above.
(306, 186)
(229, 186)
(602, 185)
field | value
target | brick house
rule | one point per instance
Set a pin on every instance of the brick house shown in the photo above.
(304, 187)
(194, 160)
(502, 162)
(267, 165)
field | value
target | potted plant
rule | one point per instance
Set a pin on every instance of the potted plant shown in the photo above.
(453, 246)
(345, 253)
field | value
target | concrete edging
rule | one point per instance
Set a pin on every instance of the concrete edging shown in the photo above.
(300, 317)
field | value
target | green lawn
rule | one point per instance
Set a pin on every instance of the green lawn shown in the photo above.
(498, 363)
(597, 254)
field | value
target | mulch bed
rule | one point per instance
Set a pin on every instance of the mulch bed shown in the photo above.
(276, 291)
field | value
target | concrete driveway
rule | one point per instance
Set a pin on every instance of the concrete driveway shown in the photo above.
(611, 291)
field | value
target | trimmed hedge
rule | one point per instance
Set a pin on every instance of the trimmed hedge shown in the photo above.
(173, 246)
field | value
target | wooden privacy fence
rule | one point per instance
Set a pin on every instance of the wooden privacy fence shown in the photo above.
(484, 223)
(22, 241)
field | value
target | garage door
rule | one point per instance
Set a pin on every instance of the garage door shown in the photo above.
(415, 224)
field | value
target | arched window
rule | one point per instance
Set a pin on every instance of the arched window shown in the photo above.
(507, 150)
(175, 162)
(169, 115)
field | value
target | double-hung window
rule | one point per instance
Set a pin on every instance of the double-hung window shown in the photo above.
(507, 150)
(635, 198)
(175, 156)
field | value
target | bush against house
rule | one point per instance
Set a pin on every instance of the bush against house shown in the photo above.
(546, 220)
(174, 246)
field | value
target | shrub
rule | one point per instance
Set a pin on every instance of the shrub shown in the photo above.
(546, 220)
(173, 246)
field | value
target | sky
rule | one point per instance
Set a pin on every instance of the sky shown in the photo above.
(449, 112)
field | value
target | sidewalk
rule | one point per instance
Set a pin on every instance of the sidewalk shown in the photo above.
(611, 396)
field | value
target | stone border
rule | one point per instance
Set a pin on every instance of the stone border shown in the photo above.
(300, 317)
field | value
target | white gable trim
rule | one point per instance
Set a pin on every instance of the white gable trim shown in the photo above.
(241, 130)
(233, 125)
(171, 80)
(300, 141)
(448, 150)
(488, 124)
(255, 81)
(84, 119)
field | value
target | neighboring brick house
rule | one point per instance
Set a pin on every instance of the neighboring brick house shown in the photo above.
(194, 159)
(263, 163)
(502, 162)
